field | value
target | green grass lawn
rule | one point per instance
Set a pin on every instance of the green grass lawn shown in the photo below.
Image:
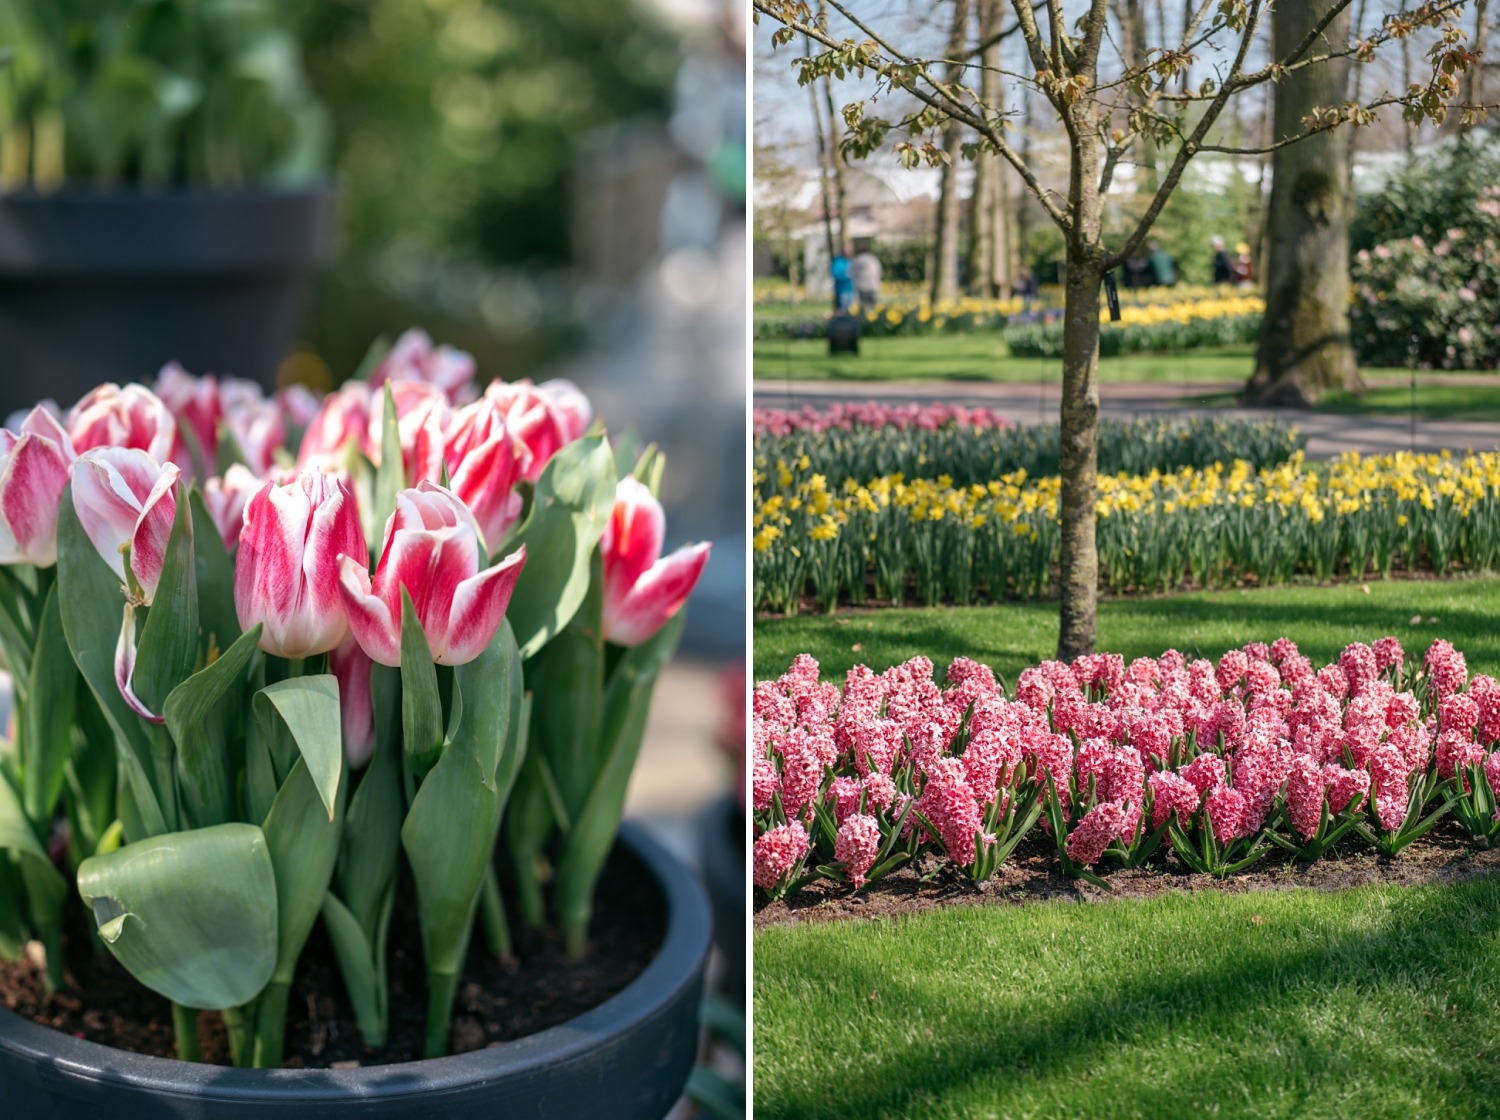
(978, 356)
(1371, 1003)
(1012, 636)
(1390, 395)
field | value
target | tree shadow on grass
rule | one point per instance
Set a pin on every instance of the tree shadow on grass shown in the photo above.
(1011, 1045)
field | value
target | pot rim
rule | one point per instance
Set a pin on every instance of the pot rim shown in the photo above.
(676, 965)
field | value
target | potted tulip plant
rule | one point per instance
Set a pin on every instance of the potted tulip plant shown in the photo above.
(308, 688)
(163, 179)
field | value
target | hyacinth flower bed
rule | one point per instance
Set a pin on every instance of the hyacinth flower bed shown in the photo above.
(1167, 763)
(280, 662)
(972, 446)
(891, 540)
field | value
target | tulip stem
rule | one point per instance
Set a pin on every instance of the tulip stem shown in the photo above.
(492, 914)
(270, 1024)
(185, 1027)
(528, 890)
(51, 938)
(441, 988)
(238, 1029)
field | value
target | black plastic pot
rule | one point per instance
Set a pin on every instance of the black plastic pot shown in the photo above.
(111, 285)
(722, 833)
(626, 1059)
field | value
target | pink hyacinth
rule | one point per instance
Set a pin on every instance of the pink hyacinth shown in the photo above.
(856, 846)
(949, 803)
(880, 791)
(778, 853)
(1100, 826)
(1446, 668)
(1347, 789)
(763, 781)
(1171, 792)
(1228, 813)
(1389, 777)
(1389, 656)
(1306, 785)
(1205, 772)
(845, 793)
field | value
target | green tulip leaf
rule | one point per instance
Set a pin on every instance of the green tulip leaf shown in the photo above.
(569, 512)
(199, 723)
(217, 618)
(192, 915)
(168, 648)
(421, 703)
(45, 888)
(90, 602)
(309, 706)
(47, 731)
(304, 845)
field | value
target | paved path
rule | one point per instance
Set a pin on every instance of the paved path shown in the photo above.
(1329, 433)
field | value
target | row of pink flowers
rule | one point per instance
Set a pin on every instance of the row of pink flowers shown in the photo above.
(289, 509)
(1220, 757)
(874, 414)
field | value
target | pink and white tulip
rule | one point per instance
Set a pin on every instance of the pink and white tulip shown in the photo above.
(351, 666)
(536, 419)
(343, 419)
(422, 413)
(286, 571)
(570, 402)
(255, 421)
(485, 461)
(130, 417)
(299, 405)
(226, 498)
(642, 588)
(415, 358)
(432, 549)
(33, 473)
(196, 404)
(126, 502)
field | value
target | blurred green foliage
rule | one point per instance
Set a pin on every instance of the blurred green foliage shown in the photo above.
(457, 119)
(157, 92)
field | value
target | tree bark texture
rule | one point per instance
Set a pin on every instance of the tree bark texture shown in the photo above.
(990, 245)
(1305, 349)
(944, 285)
(1078, 579)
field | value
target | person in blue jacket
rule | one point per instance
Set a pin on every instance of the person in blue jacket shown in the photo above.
(843, 282)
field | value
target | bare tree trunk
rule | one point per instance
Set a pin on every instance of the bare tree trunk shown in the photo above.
(1474, 78)
(1304, 346)
(823, 178)
(1078, 580)
(944, 284)
(1133, 31)
(987, 247)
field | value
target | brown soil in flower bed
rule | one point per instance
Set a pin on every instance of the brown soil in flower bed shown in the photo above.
(496, 1002)
(1031, 875)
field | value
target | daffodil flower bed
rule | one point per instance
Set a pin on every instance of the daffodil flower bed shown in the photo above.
(974, 445)
(1202, 765)
(1222, 320)
(926, 539)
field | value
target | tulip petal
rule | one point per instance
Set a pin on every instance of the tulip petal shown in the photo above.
(351, 666)
(125, 667)
(656, 596)
(30, 491)
(632, 542)
(148, 544)
(370, 619)
(477, 611)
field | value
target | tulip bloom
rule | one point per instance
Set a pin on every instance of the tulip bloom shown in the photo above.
(571, 404)
(344, 416)
(226, 499)
(197, 407)
(351, 665)
(422, 413)
(432, 550)
(256, 423)
(485, 461)
(415, 358)
(132, 417)
(642, 588)
(535, 418)
(33, 473)
(286, 571)
(126, 502)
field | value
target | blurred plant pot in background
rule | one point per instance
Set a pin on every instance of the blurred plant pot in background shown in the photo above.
(110, 285)
(626, 1059)
(722, 833)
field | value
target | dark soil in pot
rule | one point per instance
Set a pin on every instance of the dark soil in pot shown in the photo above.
(496, 1002)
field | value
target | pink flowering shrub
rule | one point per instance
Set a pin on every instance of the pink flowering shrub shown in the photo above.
(1207, 764)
